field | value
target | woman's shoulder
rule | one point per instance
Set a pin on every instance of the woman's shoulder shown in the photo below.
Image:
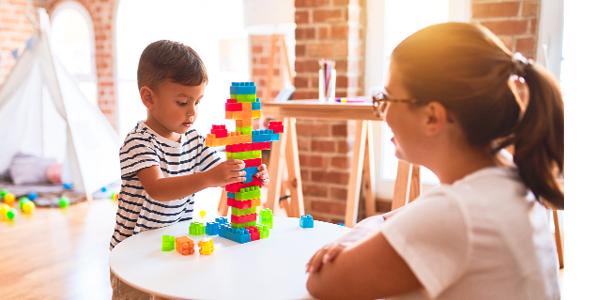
(487, 185)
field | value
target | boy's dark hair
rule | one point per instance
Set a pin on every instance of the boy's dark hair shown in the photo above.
(170, 60)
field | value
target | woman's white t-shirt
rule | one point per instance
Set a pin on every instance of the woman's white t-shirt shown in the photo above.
(482, 237)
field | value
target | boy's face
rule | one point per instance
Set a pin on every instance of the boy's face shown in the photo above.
(172, 106)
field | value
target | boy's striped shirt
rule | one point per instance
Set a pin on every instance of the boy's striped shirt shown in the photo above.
(144, 148)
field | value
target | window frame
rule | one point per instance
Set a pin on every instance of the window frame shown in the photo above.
(92, 76)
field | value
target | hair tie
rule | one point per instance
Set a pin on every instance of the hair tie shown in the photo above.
(521, 94)
(520, 64)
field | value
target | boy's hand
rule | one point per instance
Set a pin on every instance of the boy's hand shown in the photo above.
(263, 174)
(325, 255)
(229, 171)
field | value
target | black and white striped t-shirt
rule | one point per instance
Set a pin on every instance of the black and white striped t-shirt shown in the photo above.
(144, 148)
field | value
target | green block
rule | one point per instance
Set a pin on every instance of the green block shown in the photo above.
(196, 228)
(263, 230)
(243, 212)
(244, 97)
(244, 130)
(244, 155)
(243, 225)
(3, 192)
(266, 217)
(168, 243)
(248, 193)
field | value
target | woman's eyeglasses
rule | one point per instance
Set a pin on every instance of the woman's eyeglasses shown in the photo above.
(381, 102)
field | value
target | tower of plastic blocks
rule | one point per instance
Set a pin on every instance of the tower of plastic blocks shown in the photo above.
(245, 144)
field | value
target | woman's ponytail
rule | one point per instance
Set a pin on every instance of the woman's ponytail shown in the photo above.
(539, 137)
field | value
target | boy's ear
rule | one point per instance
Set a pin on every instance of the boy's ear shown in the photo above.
(436, 118)
(146, 94)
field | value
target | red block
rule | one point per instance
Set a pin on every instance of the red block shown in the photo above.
(235, 187)
(239, 204)
(233, 105)
(261, 146)
(243, 219)
(255, 162)
(248, 147)
(254, 233)
(277, 127)
(219, 131)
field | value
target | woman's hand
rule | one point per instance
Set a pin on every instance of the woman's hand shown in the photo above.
(325, 255)
(263, 174)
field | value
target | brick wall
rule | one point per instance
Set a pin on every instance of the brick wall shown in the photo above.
(102, 13)
(15, 29)
(332, 29)
(266, 64)
(516, 22)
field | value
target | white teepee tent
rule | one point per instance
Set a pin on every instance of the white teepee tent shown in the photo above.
(43, 112)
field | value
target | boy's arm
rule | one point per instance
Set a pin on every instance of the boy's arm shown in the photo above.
(169, 188)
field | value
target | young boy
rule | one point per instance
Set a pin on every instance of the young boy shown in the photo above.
(163, 161)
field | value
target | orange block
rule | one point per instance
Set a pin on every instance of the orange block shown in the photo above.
(243, 123)
(184, 245)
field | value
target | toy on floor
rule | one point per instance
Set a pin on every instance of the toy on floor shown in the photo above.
(114, 197)
(245, 144)
(7, 213)
(9, 199)
(3, 192)
(4, 208)
(306, 221)
(26, 206)
(32, 196)
(184, 245)
(63, 202)
(206, 246)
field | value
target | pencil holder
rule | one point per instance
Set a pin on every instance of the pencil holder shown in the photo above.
(327, 80)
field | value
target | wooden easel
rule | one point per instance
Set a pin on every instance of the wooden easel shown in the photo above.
(362, 162)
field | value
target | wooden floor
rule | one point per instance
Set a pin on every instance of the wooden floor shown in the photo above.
(57, 254)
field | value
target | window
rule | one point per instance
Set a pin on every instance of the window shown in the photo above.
(72, 41)
(389, 22)
(220, 41)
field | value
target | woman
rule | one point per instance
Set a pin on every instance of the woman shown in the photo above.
(454, 98)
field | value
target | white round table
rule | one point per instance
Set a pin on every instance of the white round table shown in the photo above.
(273, 268)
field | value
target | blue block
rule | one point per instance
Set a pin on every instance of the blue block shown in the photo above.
(250, 172)
(306, 221)
(221, 220)
(265, 135)
(242, 88)
(239, 235)
(256, 105)
(231, 195)
(212, 228)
